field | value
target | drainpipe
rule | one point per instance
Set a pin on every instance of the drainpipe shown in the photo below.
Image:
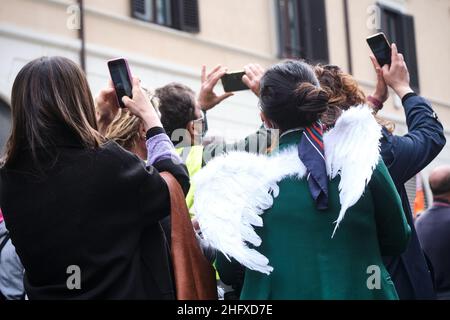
(82, 36)
(348, 37)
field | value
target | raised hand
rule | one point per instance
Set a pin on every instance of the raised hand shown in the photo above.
(106, 107)
(381, 90)
(397, 75)
(207, 98)
(141, 106)
(252, 78)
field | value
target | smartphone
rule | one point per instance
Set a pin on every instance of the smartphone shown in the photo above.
(233, 82)
(381, 48)
(121, 78)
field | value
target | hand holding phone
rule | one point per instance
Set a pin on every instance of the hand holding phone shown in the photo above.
(253, 75)
(141, 107)
(381, 48)
(121, 78)
(207, 97)
(233, 82)
(397, 75)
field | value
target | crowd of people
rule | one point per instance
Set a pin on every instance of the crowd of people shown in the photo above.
(305, 208)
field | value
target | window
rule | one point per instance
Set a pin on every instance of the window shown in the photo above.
(302, 30)
(177, 14)
(5, 124)
(399, 28)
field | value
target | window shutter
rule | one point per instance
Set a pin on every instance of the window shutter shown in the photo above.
(186, 15)
(318, 31)
(313, 30)
(409, 46)
(141, 9)
(399, 28)
(281, 30)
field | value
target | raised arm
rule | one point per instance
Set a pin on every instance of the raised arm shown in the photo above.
(258, 142)
(161, 152)
(407, 155)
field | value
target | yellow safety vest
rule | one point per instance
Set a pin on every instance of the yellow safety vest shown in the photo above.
(193, 159)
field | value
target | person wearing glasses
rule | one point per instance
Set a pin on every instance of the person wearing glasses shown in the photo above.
(184, 117)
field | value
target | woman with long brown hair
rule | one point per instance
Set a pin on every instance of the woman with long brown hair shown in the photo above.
(83, 213)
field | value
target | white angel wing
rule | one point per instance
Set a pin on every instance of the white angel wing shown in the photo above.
(358, 130)
(232, 192)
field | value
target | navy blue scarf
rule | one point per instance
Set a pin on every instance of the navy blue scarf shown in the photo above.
(312, 153)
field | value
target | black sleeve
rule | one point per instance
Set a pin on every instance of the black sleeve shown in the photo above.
(179, 171)
(257, 143)
(407, 155)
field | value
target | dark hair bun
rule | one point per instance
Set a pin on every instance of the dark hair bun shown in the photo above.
(291, 95)
(311, 98)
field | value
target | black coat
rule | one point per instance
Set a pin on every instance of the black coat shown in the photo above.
(433, 229)
(405, 156)
(95, 209)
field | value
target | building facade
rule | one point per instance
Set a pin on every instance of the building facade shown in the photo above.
(169, 40)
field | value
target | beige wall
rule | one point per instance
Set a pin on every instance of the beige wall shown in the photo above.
(43, 16)
(235, 32)
(336, 34)
(221, 39)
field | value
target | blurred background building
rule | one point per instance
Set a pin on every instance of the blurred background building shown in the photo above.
(169, 40)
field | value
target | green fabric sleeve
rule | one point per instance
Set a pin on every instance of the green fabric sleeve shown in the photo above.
(258, 143)
(392, 227)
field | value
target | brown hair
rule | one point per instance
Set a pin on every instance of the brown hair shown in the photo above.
(344, 92)
(50, 96)
(177, 106)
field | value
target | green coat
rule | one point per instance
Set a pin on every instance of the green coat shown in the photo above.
(308, 264)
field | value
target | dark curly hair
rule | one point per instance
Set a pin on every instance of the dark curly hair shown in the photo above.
(291, 95)
(176, 105)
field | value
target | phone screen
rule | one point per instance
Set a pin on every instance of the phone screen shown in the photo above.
(380, 48)
(233, 82)
(120, 77)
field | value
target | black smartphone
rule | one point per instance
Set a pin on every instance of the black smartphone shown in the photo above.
(233, 82)
(121, 78)
(381, 48)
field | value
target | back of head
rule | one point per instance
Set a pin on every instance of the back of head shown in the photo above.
(440, 182)
(125, 130)
(176, 106)
(343, 91)
(291, 95)
(50, 98)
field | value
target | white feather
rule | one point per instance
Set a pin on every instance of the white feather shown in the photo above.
(352, 150)
(234, 190)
